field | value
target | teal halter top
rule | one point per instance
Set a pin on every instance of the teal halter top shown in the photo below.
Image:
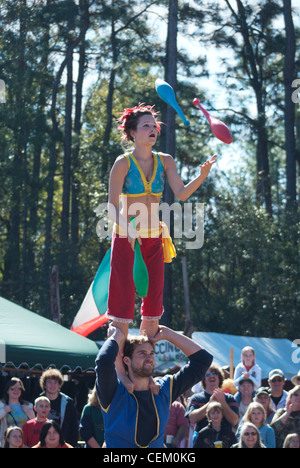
(136, 184)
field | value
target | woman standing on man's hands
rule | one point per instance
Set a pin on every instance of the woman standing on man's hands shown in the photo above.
(137, 178)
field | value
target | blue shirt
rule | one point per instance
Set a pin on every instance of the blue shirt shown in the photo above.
(144, 415)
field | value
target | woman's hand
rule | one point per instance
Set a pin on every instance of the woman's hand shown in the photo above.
(206, 167)
(7, 409)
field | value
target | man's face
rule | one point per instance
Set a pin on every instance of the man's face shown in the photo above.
(142, 361)
(211, 379)
(246, 388)
(52, 387)
(277, 383)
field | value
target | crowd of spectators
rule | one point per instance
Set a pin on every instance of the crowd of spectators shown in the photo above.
(217, 413)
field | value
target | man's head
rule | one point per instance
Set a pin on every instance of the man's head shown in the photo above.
(276, 381)
(51, 381)
(213, 378)
(246, 386)
(139, 356)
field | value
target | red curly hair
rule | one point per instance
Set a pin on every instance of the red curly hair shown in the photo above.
(130, 117)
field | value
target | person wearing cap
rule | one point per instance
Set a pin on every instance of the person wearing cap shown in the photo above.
(276, 382)
(263, 397)
(296, 379)
(244, 396)
(287, 420)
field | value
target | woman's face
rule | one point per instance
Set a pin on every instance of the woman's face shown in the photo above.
(52, 438)
(264, 400)
(250, 437)
(295, 400)
(15, 439)
(295, 442)
(14, 392)
(146, 131)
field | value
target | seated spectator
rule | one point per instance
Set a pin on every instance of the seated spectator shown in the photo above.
(247, 368)
(51, 436)
(196, 409)
(216, 430)
(63, 410)
(292, 441)
(13, 437)
(287, 420)
(244, 396)
(276, 382)
(249, 437)
(177, 426)
(91, 426)
(263, 397)
(256, 414)
(32, 428)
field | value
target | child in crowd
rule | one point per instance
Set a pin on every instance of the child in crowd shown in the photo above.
(292, 441)
(13, 437)
(256, 414)
(216, 434)
(247, 368)
(33, 427)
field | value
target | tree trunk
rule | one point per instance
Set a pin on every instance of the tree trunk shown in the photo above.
(109, 102)
(170, 145)
(14, 272)
(40, 125)
(65, 217)
(77, 131)
(254, 70)
(55, 135)
(289, 111)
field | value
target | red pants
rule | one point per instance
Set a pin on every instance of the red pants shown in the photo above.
(121, 294)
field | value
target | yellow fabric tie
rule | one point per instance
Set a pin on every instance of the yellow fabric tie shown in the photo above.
(169, 250)
(168, 246)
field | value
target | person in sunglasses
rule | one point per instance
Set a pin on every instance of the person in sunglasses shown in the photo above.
(197, 407)
(14, 410)
(250, 437)
(278, 395)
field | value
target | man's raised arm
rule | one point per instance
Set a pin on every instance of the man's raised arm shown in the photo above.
(199, 360)
(106, 376)
(184, 343)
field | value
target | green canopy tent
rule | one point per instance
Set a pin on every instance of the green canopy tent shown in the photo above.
(32, 342)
